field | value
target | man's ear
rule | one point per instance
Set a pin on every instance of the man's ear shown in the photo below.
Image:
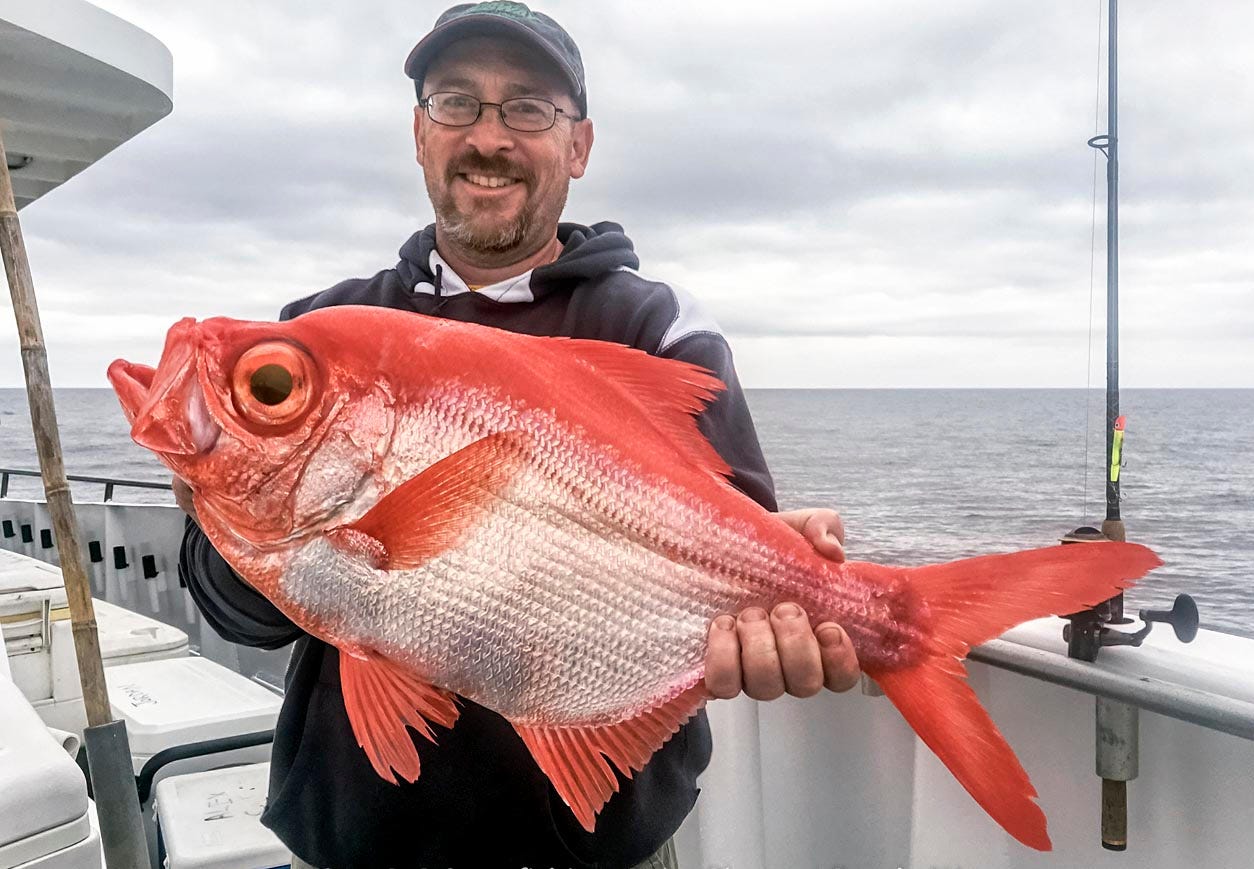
(581, 136)
(420, 116)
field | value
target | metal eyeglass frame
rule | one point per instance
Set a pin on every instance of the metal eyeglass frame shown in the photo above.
(425, 103)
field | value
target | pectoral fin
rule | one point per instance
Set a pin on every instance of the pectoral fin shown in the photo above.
(575, 758)
(382, 700)
(430, 513)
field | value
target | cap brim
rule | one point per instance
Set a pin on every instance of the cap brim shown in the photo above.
(484, 25)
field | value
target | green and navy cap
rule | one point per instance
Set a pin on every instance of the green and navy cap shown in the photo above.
(500, 18)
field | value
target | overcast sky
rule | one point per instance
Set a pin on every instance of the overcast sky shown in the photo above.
(862, 193)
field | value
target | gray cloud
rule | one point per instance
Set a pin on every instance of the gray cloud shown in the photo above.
(835, 173)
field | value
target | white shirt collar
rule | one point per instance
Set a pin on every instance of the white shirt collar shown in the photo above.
(515, 289)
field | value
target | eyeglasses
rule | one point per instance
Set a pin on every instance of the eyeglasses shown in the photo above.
(523, 114)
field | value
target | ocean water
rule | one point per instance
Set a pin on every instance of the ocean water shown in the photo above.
(919, 475)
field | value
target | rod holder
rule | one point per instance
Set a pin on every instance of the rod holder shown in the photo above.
(1118, 762)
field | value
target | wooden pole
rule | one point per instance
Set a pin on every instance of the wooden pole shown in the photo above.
(108, 751)
(48, 443)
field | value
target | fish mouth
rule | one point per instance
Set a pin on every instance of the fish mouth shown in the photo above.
(166, 406)
(132, 382)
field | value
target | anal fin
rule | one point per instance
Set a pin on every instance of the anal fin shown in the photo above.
(382, 700)
(577, 759)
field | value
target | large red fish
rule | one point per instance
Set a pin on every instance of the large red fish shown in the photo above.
(536, 524)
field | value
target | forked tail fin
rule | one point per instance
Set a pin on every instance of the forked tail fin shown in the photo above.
(977, 599)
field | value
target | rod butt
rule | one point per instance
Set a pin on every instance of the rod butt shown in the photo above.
(117, 801)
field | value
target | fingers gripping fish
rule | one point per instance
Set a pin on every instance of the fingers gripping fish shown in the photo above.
(536, 524)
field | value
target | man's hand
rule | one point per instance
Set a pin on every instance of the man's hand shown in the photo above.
(183, 496)
(766, 656)
(821, 527)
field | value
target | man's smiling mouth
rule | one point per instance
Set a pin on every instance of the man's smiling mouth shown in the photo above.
(490, 181)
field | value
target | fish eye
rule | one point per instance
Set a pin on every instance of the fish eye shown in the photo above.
(273, 383)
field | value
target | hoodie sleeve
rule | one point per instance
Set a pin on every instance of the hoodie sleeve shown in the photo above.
(726, 422)
(235, 609)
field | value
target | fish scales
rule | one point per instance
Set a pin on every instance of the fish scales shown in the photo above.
(570, 604)
(659, 597)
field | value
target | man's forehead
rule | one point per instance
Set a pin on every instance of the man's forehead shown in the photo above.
(469, 60)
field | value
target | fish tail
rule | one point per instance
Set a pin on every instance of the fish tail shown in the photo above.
(968, 602)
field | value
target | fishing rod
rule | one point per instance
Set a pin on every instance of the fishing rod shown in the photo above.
(1118, 722)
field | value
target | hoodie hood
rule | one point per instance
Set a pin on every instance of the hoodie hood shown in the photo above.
(587, 252)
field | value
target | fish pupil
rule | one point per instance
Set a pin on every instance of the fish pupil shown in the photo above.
(271, 384)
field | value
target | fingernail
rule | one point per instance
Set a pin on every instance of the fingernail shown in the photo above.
(753, 615)
(788, 611)
(830, 636)
(725, 623)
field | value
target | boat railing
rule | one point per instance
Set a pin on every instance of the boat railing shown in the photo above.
(1212, 686)
(109, 483)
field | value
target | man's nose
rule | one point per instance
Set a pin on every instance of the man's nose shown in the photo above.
(489, 133)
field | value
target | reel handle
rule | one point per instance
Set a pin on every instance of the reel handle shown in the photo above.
(1182, 617)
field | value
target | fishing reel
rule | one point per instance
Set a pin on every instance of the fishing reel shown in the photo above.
(1089, 630)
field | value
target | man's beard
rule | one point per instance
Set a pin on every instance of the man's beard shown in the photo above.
(483, 233)
(461, 229)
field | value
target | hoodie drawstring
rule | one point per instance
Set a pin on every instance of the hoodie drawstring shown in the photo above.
(437, 287)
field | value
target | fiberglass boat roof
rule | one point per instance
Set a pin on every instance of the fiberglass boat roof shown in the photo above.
(75, 82)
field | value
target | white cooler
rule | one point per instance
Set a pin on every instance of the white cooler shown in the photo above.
(45, 817)
(211, 820)
(39, 641)
(180, 701)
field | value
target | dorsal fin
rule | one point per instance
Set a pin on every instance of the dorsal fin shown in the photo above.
(672, 392)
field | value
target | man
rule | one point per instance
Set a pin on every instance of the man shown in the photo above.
(501, 128)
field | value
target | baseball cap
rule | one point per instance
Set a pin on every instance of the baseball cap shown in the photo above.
(502, 18)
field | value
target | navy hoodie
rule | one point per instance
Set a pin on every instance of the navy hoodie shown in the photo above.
(480, 801)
